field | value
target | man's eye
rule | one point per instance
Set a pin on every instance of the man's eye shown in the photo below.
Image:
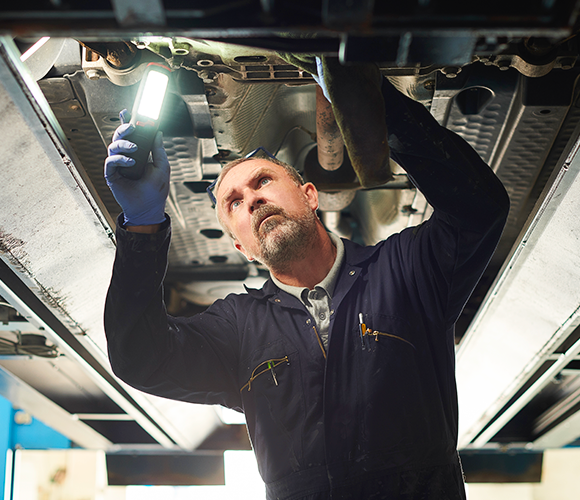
(264, 181)
(235, 204)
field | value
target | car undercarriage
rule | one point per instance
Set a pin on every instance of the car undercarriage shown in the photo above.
(501, 75)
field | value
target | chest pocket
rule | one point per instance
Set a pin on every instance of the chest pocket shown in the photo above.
(390, 332)
(390, 355)
(273, 401)
(391, 380)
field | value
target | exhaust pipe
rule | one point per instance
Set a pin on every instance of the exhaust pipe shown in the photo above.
(328, 136)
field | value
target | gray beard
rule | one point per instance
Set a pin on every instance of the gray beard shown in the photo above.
(283, 238)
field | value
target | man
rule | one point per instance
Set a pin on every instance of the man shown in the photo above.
(343, 363)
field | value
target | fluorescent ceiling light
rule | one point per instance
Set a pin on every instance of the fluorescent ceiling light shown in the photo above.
(34, 48)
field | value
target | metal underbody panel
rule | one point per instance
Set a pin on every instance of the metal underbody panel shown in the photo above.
(508, 88)
(514, 315)
(59, 215)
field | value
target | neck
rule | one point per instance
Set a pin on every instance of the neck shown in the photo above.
(313, 266)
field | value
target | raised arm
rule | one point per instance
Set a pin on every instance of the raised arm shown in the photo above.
(191, 359)
(142, 200)
(449, 172)
(445, 256)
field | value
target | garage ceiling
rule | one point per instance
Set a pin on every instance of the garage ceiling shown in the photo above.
(504, 81)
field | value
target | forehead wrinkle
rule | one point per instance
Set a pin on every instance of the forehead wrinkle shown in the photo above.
(256, 175)
(261, 171)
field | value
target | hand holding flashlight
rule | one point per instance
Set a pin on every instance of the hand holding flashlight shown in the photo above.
(142, 200)
(141, 188)
(145, 116)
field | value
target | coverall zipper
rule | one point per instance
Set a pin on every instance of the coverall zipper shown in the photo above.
(319, 341)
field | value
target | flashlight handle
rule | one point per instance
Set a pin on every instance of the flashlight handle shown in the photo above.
(143, 136)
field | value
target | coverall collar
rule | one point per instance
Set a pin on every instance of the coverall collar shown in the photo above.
(354, 256)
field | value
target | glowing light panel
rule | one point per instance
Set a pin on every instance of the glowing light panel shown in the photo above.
(153, 93)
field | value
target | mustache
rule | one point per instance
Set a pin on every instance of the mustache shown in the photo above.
(264, 211)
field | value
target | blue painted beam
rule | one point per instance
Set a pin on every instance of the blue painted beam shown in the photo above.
(18, 430)
(6, 423)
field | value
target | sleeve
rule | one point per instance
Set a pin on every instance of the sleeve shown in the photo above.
(447, 254)
(189, 359)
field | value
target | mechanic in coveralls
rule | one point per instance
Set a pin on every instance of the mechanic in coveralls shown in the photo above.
(343, 363)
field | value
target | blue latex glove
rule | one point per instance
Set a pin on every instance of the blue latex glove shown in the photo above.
(320, 78)
(142, 200)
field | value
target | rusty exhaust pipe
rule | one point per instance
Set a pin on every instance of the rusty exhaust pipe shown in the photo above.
(328, 136)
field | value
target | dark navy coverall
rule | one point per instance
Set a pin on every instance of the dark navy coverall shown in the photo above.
(375, 422)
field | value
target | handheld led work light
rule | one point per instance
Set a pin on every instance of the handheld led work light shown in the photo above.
(145, 116)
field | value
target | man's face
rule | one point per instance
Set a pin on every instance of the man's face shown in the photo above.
(271, 217)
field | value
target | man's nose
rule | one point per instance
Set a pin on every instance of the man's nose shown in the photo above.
(255, 202)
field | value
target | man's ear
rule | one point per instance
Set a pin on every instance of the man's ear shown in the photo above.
(311, 194)
(242, 250)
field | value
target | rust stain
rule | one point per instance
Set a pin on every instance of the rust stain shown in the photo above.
(8, 242)
(13, 249)
(52, 298)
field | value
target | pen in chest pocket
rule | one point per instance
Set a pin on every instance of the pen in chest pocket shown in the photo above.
(364, 330)
(271, 366)
(264, 367)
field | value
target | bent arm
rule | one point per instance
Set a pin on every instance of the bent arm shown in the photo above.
(447, 254)
(190, 359)
(447, 170)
